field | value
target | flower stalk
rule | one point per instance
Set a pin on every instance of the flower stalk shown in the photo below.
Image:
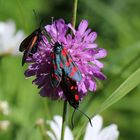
(75, 3)
(64, 120)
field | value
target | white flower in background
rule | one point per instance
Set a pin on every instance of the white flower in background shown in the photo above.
(4, 110)
(4, 125)
(56, 126)
(4, 107)
(96, 132)
(9, 38)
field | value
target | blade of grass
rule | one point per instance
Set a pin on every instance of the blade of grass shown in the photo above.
(129, 84)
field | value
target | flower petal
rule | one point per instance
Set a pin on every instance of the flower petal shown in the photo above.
(92, 85)
(98, 63)
(91, 37)
(56, 126)
(101, 54)
(99, 75)
(92, 132)
(82, 27)
(73, 30)
(68, 134)
(91, 46)
(51, 135)
(82, 88)
(109, 133)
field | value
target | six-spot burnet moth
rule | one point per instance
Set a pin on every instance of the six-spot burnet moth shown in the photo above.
(30, 44)
(65, 73)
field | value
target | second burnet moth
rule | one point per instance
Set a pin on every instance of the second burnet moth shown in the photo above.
(30, 44)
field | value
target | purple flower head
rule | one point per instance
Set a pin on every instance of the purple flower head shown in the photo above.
(85, 53)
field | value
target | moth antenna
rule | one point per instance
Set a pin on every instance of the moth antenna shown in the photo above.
(36, 17)
(34, 12)
(72, 117)
(41, 22)
(85, 116)
(52, 19)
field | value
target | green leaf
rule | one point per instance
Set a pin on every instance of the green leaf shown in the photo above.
(129, 84)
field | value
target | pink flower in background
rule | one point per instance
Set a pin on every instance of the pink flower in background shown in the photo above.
(83, 49)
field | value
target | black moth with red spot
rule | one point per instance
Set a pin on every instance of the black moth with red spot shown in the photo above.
(65, 73)
(70, 90)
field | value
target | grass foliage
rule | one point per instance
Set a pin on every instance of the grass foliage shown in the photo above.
(117, 24)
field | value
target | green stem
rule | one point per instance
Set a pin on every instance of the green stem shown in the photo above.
(64, 120)
(75, 3)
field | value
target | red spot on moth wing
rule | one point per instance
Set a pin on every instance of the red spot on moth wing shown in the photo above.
(55, 67)
(68, 62)
(74, 70)
(64, 52)
(76, 97)
(72, 87)
(61, 65)
(52, 55)
(55, 76)
(52, 75)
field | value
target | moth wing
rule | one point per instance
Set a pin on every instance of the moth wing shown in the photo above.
(26, 42)
(56, 71)
(29, 49)
(70, 68)
(70, 90)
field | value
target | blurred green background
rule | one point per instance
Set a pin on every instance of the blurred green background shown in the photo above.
(117, 23)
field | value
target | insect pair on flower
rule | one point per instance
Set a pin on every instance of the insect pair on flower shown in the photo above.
(63, 73)
(66, 65)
